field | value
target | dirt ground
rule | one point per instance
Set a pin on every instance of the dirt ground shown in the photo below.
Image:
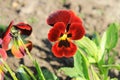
(96, 15)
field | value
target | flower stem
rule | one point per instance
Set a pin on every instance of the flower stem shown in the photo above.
(34, 62)
(10, 71)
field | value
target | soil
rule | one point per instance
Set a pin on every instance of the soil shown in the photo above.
(96, 15)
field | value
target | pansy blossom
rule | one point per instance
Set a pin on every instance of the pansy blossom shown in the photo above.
(13, 38)
(66, 28)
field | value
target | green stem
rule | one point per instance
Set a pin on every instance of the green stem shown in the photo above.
(95, 76)
(10, 71)
(86, 65)
(34, 61)
(26, 49)
(103, 70)
(106, 69)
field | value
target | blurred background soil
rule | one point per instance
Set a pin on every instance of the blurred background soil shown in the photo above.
(96, 15)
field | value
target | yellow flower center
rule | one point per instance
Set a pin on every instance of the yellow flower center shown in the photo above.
(63, 37)
(15, 32)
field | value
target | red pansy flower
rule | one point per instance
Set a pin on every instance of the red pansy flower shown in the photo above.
(66, 16)
(66, 27)
(14, 34)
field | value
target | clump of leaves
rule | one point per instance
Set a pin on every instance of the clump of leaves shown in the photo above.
(95, 57)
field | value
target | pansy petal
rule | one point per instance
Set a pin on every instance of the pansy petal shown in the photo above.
(59, 16)
(70, 51)
(26, 29)
(8, 29)
(64, 51)
(18, 50)
(3, 54)
(6, 36)
(57, 51)
(74, 18)
(76, 31)
(56, 31)
(29, 45)
(5, 42)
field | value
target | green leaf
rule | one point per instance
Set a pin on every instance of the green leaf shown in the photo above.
(111, 36)
(72, 72)
(89, 47)
(78, 62)
(39, 71)
(81, 64)
(95, 76)
(80, 78)
(96, 38)
(22, 75)
(48, 75)
(115, 66)
(80, 69)
(117, 25)
(111, 60)
(109, 40)
(29, 72)
(6, 77)
(114, 79)
(102, 47)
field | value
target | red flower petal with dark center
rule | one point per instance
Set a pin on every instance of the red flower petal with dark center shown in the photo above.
(64, 51)
(59, 16)
(3, 54)
(19, 51)
(26, 29)
(74, 18)
(56, 31)
(76, 31)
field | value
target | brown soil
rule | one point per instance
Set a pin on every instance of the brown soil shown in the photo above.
(96, 16)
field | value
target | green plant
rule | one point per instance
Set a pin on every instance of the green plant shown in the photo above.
(94, 58)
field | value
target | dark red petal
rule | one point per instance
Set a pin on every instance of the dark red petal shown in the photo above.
(29, 45)
(8, 29)
(5, 42)
(3, 54)
(64, 51)
(7, 37)
(56, 31)
(76, 30)
(26, 29)
(74, 18)
(59, 16)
